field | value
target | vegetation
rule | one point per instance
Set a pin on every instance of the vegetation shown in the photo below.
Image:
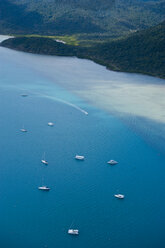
(93, 19)
(142, 51)
(69, 39)
(91, 29)
(40, 46)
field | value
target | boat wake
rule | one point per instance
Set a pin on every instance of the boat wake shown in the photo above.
(67, 103)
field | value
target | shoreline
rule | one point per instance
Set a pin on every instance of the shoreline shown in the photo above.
(80, 57)
(5, 37)
(47, 46)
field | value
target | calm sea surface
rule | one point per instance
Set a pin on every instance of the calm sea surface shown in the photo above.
(82, 193)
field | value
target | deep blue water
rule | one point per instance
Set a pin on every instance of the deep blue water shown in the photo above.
(81, 192)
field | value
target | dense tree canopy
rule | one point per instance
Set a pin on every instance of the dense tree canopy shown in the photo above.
(117, 17)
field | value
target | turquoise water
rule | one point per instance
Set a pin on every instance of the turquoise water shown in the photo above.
(81, 194)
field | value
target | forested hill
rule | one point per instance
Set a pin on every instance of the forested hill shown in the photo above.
(50, 17)
(141, 52)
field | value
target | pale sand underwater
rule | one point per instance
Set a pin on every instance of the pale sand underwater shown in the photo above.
(82, 193)
(126, 95)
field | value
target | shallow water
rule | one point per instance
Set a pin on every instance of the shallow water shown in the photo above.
(81, 195)
(131, 97)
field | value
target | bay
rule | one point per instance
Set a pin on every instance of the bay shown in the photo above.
(63, 90)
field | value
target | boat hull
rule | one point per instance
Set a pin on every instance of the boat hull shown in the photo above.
(44, 188)
(78, 157)
(119, 196)
(44, 162)
(73, 232)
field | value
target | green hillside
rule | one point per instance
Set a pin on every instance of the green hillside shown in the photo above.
(141, 52)
(94, 18)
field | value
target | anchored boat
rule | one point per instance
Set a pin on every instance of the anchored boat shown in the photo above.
(44, 161)
(119, 196)
(73, 231)
(112, 162)
(45, 188)
(23, 129)
(24, 95)
(51, 124)
(78, 157)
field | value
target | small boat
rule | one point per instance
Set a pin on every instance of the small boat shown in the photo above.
(24, 95)
(51, 124)
(112, 162)
(73, 231)
(44, 160)
(23, 129)
(78, 157)
(119, 196)
(44, 188)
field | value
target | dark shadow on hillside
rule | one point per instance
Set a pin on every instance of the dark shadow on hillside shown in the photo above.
(15, 17)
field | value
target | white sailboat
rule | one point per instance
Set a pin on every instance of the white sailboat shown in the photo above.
(43, 187)
(79, 157)
(51, 124)
(43, 160)
(119, 196)
(112, 162)
(73, 231)
(23, 129)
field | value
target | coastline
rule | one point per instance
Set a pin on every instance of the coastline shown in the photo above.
(47, 46)
(5, 37)
(108, 67)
